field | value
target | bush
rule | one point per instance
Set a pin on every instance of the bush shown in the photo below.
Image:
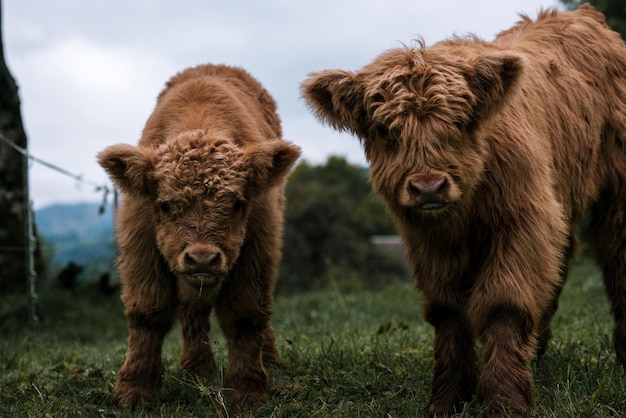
(330, 217)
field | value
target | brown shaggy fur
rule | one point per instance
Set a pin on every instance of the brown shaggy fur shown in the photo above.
(199, 230)
(487, 154)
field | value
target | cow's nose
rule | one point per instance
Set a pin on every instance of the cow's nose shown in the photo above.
(432, 187)
(202, 260)
(428, 193)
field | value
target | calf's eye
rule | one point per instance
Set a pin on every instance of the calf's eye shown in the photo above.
(164, 207)
(382, 131)
(237, 205)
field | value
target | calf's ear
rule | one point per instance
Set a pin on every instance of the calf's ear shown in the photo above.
(270, 162)
(129, 167)
(494, 79)
(336, 98)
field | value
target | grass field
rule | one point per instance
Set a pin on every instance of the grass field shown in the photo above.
(366, 354)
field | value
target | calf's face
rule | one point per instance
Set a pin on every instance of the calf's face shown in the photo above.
(417, 115)
(200, 190)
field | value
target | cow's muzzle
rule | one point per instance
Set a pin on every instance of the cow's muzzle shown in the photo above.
(427, 193)
(204, 263)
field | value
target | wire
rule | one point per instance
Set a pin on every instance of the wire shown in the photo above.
(77, 177)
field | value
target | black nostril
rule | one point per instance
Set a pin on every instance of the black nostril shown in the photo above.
(190, 260)
(435, 186)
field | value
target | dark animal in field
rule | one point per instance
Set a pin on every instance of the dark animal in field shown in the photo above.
(199, 230)
(105, 286)
(68, 275)
(487, 155)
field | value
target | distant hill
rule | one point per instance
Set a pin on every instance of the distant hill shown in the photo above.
(78, 233)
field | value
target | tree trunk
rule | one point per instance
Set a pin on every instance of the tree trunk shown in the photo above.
(14, 200)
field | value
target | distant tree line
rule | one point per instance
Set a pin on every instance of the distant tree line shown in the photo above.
(330, 217)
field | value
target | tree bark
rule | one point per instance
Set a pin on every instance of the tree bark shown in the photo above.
(14, 199)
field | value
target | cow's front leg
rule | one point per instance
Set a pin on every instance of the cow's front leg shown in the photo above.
(139, 379)
(245, 320)
(455, 374)
(245, 377)
(246, 374)
(197, 356)
(505, 385)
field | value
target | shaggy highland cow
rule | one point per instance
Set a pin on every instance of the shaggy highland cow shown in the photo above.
(199, 229)
(487, 154)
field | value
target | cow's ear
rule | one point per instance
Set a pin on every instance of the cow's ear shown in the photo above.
(270, 162)
(493, 79)
(336, 98)
(129, 167)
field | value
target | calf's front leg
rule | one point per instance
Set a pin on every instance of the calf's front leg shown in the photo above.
(455, 374)
(505, 385)
(244, 316)
(139, 379)
(197, 356)
(245, 377)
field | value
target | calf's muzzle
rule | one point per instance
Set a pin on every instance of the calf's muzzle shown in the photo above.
(202, 260)
(428, 192)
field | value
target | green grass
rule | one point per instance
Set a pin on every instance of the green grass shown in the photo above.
(366, 354)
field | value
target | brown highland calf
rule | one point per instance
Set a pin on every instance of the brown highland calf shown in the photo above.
(487, 154)
(200, 228)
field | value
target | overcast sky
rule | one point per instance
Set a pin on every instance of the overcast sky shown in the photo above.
(89, 71)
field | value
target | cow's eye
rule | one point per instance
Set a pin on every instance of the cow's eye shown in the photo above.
(238, 205)
(382, 131)
(164, 207)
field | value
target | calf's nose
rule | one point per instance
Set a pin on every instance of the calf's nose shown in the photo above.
(432, 187)
(428, 192)
(198, 260)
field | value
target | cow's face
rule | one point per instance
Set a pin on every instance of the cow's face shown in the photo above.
(201, 190)
(417, 117)
(201, 205)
